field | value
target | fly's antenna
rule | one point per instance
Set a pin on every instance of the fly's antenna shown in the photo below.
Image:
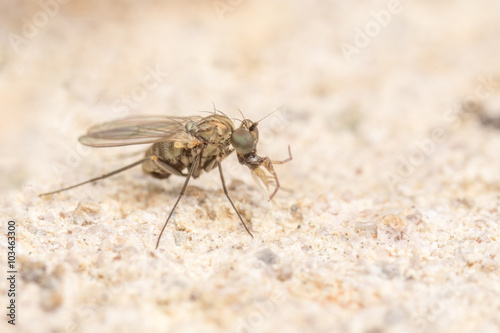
(281, 107)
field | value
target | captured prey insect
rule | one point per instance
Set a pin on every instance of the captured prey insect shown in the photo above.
(194, 143)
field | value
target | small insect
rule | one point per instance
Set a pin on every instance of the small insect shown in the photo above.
(184, 146)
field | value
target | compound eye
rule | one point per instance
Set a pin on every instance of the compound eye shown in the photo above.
(242, 140)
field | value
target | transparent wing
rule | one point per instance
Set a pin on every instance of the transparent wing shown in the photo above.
(139, 130)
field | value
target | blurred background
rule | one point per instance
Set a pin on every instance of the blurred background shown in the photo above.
(352, 77)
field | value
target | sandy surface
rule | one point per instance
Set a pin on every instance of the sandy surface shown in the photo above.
(388, 220)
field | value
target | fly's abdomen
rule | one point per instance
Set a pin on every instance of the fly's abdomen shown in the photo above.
(169, 158)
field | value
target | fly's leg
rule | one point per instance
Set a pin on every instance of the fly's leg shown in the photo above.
(287, 160)
(112, 173)
(164, 166)
(193, 167)
(229, 198)
(268, 164)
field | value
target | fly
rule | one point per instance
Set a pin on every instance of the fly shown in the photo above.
(184, 146)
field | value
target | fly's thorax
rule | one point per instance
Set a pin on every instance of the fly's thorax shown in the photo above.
(215, 129)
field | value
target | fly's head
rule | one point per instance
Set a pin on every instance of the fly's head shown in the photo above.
(244, 140)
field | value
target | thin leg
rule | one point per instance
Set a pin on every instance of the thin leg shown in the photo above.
(287, 160)
(103, 176)
(193, 167)
(231, 201)
(168, 168)
(268, 164)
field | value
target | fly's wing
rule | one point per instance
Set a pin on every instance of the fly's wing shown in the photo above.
(139, 130)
